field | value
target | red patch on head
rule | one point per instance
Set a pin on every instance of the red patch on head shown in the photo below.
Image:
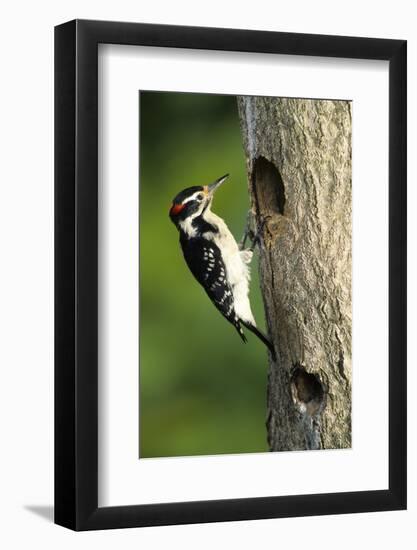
(176, 209)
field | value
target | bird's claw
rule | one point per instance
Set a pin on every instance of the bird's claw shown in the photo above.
(256, 238)
(264, 220)
(248, 232)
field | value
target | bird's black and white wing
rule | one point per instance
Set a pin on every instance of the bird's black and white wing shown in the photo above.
(205, 261)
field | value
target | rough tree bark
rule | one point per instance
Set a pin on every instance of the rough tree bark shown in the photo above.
(299, 171)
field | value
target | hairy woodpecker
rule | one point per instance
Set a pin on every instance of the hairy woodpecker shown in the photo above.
(214, 257)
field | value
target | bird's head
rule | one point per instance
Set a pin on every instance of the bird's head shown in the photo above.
(193, 201)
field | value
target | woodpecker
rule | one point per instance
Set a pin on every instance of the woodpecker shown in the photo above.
(214, 257)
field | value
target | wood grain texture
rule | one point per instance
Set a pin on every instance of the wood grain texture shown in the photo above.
(299, 171)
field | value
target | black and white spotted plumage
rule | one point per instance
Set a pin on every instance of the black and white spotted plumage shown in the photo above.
(214, 258)
(206, 264)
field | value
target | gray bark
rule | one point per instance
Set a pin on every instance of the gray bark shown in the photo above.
(299, 171)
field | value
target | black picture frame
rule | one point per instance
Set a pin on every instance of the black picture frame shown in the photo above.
(76, 270)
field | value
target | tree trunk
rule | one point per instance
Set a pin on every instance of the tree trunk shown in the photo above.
(299, 166)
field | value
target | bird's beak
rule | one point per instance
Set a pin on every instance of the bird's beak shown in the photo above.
(215, 185)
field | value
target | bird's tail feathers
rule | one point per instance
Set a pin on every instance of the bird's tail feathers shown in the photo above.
(240, 332)
(254, 329)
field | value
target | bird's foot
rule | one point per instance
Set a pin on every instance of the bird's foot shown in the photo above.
(254, 236)
(248, 232)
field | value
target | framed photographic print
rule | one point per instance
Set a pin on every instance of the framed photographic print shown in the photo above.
(230, 252)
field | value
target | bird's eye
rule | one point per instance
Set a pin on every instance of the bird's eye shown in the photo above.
(199, 197)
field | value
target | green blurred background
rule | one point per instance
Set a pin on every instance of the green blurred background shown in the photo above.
(202, 391)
